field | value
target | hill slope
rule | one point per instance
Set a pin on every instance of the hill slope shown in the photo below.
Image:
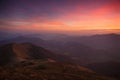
(19, 52)
(36, 63)
(44, 70)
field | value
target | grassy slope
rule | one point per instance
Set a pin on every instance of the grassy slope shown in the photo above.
(44, 70)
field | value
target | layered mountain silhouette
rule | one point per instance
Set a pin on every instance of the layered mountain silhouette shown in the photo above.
(101, 41)
(22, 39)
(99, 48)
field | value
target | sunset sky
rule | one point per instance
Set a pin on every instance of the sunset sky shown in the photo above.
(59, 15)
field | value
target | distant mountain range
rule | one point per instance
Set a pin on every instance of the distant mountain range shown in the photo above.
(22, 39)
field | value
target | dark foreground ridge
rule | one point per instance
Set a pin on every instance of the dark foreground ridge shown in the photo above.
(29, 62)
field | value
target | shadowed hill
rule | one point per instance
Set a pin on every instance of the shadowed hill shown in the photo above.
(36, 63)
(19, 52)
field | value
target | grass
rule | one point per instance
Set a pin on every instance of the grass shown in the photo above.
(47, 71)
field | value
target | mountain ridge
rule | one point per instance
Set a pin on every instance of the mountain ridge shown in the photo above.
(19, 52)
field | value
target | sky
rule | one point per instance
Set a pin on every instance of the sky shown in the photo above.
(60, 15)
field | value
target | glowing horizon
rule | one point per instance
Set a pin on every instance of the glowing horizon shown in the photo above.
(60, 15)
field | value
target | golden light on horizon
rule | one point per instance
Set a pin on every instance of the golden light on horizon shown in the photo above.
(71, 17)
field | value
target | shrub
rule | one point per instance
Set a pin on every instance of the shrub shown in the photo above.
(41, 67)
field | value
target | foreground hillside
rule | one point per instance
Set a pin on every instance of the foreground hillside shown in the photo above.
(45, 70)
(29, 62)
